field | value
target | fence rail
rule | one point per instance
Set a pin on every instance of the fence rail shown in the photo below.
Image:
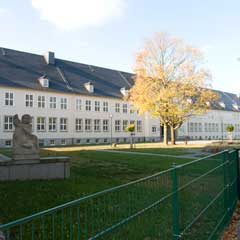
(189, 201)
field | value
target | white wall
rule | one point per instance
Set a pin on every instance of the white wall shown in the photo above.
(71, 114)
(218, 120)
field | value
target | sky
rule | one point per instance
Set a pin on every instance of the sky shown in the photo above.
(109, 33)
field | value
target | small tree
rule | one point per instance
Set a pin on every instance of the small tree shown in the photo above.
(131, 128)
(230, 129)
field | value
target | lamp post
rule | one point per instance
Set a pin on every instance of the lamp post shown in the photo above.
(222, 128)
(111, 128)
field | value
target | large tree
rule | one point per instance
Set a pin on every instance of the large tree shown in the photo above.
(170, 82)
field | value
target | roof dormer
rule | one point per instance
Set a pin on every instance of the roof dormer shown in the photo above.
(89, 86)
(222, 104)
(208, 103)
(44, 81)
(235, 106)
(124, 91)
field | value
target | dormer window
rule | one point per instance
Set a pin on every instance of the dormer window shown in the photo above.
(89, 86)
(124, 91)
(44, 81)
(222, 104)
(235, 106)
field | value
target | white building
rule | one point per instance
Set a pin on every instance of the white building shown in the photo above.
(74, 103)
(70, 103)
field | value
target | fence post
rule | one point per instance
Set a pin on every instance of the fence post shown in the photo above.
(226, 183)
(175, 207)
(238, 177)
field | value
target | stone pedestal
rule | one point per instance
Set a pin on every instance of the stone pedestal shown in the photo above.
(43, 168)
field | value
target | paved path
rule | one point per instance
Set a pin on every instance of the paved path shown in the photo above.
(4, 157)
(189, 156)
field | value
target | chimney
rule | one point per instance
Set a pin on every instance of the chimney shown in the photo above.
(49, 58)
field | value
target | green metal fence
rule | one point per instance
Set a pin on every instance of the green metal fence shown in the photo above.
(190, 201)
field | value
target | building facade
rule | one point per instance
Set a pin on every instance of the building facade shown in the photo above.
(63, 119)
(74, 103)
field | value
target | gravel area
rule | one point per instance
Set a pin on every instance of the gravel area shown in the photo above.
(232, 232)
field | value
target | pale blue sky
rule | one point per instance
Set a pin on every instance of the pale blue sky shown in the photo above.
(108, 33)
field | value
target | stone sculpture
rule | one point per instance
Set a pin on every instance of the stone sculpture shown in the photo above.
(25, 144)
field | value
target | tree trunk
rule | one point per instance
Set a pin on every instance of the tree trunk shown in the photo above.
(173, 140)
(165, 134)
(131, 141)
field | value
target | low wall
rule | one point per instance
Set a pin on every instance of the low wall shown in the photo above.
(44, 168)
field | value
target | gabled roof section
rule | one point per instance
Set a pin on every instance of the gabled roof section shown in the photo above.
(22, 70)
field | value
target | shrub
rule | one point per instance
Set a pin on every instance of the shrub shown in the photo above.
(230, 128)
(130, 128)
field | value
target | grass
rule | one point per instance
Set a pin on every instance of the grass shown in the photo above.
(167, 151)
(91, 171)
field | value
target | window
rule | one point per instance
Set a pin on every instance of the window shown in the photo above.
(88, 105)
(195, 129)
(139, 126)
(213, 127)
(41, 101)
(29, 100)
(97, 106)
(125, 108)
(78, 104)
(78, 141)
(63, 124)
(117, 107)
(8, 143)
(32, 123)
(97, 125)
(9, 99)
(41, 123)
(131, 109)
(53, 102)
(205, 127)
(63, 103)
(52, 142)
(41, 142)
(52, 124)
(210, 127)
(88, 125)
(191, 127)
(105, 125)
(117, 125)
(63, 141)
(125, 124)
(8, 123)
(132, 122)
(105, 106)
(78, 124)
(199, 127)
(154, 129)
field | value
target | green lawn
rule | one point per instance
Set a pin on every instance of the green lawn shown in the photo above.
(91, 171)
(167, 151)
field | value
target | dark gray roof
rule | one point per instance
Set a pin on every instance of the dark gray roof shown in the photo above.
(21, 69)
